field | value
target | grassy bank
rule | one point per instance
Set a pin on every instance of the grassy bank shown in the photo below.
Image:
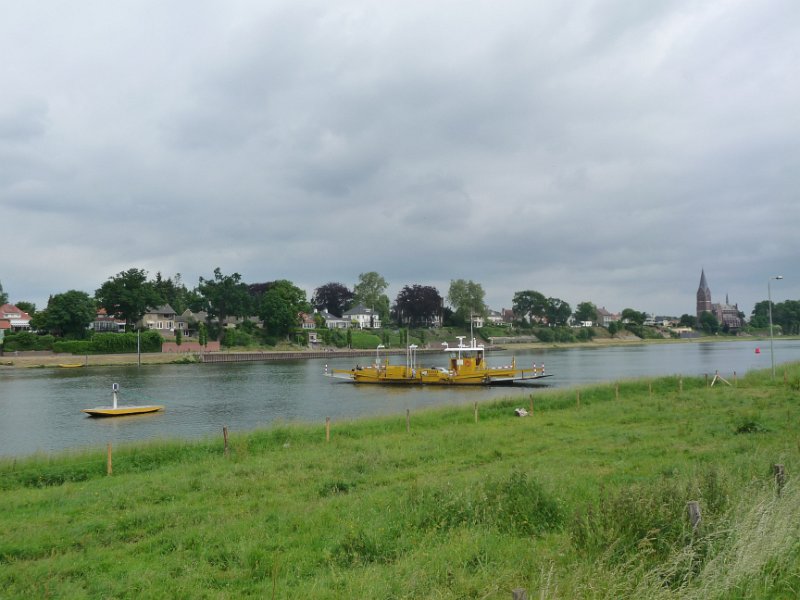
(576, 501)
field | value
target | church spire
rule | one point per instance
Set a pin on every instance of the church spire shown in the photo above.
(703, 296)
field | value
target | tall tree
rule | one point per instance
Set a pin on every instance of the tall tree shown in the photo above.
(418, 305)
(633, 316)
(371, 292)
(3, 295)
(586, 311)
(466, 298)
(530, 304)
(333, 297)
(128, 295)
(225, 296)
(69, 314)
(708, 322)
(28, 307)
(173, 292)
(281, 306)
(557, 312)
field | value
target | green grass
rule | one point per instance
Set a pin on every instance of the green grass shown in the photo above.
(572, 502)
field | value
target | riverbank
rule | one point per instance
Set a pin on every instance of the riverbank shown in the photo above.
(585, 498)
(27, 360)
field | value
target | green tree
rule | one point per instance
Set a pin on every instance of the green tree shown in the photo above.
(173, 292)
(225, 296)
(178, 337)
(128, 295)
(69, 314)
(530, 305)
(28, 307)
(557, 312)
(202, 334)
(586, 311)
(709, 323)
(281, 306)
(3, 295)
(371, 292)
(466, 298)
(633, 316)
(613, 327)
(688, 320)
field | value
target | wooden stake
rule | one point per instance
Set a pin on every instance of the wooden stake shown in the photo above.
(327, 429)
(531, 404)
(408, 420)
(680, 385)
(109, 469)
(780, 477)
(476, 412)
(225, 438)
(693, 509)
(706, 379)
(578, 398)
(616, 392)
(734, 379)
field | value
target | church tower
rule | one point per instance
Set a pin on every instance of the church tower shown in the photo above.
(703, 296)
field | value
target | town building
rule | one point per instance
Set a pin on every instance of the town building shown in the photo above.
(727, 314)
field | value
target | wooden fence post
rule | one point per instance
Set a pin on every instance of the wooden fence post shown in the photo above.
(327, 429)
(780, 476)
(693, 508)
(225, 438)
(519, 594)
(680, 385)
(109, 469)
(476, 412)
(706, 379)
(734, 379)
(531, 404)
(408, 420)
(616, 391)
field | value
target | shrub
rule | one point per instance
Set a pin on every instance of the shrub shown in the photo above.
(73, 347)
(25, 340)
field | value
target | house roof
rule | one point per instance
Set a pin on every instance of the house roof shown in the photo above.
(359, 309)
(164, 309)
(5, 324)
(11, 311)
(330, 317)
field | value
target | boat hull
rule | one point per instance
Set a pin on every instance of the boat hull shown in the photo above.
(120, 411)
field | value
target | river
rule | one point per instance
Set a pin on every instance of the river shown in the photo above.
(40, 409)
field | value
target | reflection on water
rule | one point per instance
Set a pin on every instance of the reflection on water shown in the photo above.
(40, 409)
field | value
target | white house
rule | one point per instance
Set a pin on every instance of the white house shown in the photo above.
(363, 317)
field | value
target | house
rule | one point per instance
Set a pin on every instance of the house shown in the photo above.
(508, 316)
(363, 317)
(18, 320)
(307, 321)
(478, 321)
(334, 322)
(605, 318)
(161, 319)
(105, 323)
(495, 317)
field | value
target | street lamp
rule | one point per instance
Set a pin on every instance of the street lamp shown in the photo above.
(771, 335)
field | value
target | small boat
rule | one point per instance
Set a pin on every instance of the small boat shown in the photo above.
(119, 411)
(466, 366)
(70, 365)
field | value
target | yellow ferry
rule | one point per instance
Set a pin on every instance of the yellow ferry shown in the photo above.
(115, 410)
(466, 366)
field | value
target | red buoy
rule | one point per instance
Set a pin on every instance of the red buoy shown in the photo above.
(758, 350)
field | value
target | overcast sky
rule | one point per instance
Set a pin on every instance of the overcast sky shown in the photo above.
(590, 150)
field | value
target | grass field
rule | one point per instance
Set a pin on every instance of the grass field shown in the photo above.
(579, 500)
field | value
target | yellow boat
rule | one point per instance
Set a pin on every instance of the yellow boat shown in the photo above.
(466, 366)
(119, 411)
(70, 365)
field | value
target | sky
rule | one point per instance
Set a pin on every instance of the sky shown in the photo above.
(601, 151)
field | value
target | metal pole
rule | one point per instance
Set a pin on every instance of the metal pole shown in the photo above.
(771, 334)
